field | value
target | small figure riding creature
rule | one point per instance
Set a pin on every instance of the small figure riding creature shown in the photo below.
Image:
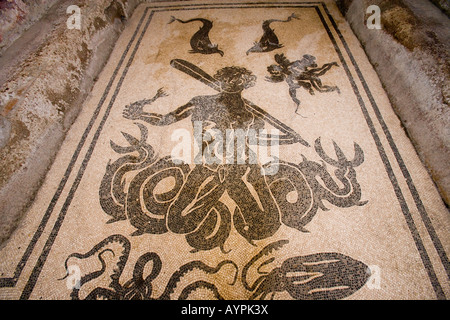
(300, 73)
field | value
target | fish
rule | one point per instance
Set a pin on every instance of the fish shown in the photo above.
(269, 41)
(200, 42)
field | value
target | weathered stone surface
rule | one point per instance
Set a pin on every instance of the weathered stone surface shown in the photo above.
(411, 55)
(46, 75)
(444, 5)
(16, 16)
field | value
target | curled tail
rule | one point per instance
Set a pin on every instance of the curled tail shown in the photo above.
(292, 16)
(205, 22)
(119, 247)
(173, 19)
(199, 265)
(265, 251)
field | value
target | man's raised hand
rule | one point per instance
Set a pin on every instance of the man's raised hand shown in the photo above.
(135, 110)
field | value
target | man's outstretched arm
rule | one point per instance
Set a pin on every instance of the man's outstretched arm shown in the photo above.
(135, 112)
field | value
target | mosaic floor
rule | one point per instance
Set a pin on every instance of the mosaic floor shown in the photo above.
(234, 150)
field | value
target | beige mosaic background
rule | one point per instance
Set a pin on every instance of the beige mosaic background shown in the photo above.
(402, 234)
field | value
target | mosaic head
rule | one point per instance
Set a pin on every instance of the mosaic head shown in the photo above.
(235, 79)
(277, 73)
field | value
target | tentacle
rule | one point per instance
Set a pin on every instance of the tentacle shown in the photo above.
(268, 261)
(111, 192)
(139, 288)
(319, 149)
(261, 291)
(103, 294)
(91, 276)
(101, 248)
(183, 270)
(138, 272)
(265, 251)
(200, 284)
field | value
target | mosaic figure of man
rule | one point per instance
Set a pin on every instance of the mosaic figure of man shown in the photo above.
(256, 214)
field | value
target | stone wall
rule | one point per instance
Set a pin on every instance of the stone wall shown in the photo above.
(47, 71)
(410, 55)
(444, 5)
(16, 16)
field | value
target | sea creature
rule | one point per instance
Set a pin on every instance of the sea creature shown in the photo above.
(303, 73)
(320, 276)
(138, 287)
(200, 42)
(269, 41)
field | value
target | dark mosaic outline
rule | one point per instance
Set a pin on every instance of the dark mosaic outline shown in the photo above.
(11, 282)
